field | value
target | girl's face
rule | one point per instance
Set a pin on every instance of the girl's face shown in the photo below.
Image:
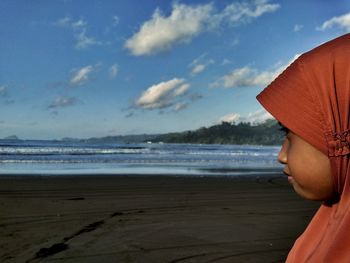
(308, 169)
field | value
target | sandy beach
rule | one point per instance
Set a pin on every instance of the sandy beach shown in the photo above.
(149, 218)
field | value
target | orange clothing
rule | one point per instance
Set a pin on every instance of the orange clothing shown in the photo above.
(312, 99)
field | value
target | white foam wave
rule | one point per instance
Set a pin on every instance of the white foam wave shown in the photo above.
(68, 151)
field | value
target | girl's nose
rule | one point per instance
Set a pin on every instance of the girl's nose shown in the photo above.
(282, 155)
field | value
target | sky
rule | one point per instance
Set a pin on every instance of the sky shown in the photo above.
(81, 69)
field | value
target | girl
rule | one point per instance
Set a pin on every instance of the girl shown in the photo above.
(311, 98)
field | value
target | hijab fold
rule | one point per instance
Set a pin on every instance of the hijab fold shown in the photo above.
(312, 99)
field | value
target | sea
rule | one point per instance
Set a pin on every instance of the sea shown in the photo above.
(36, 157)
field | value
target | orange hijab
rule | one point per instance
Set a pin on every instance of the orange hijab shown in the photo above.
(312, 98)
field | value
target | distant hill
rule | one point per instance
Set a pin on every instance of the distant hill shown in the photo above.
(124, 139)
(68, 139)
(267, 133)
(12, 138)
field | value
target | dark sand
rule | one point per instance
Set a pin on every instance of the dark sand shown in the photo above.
(149, 219)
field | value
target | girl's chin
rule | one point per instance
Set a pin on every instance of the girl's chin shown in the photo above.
(290, 179)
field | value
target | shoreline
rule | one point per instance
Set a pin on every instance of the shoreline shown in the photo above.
(142, 218)
(207, 173)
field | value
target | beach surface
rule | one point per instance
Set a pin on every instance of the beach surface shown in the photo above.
(149, 218)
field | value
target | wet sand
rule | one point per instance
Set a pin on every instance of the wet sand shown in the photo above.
(149, 219)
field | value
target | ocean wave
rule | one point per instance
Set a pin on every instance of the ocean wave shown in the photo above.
(69, 151)
(60, 157)
(19, 151)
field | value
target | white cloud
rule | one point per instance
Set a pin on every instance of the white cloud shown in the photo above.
(3, 91)
(115, 20)
(185, 22)
(63, 22)
(79, 24)
(226, 61)
(168, 96)
(256, 117)
(5, 95)
(198, 68)
(160, 95)
(113, 71)
(84, 42)
(231, 118)
(68, 22)
(81, 76)
(298, 27)
(161, 33)
(180, 106)
(249, 77)
(244, 12)
(235, 42)
(79, 27)
(199, 64)
(182, 89)
(246, 77)
(342, 22)
(62, 101)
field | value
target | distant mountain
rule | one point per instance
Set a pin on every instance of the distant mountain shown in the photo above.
(68, 139)
(12, 137)
(123, 138)
(267, 133)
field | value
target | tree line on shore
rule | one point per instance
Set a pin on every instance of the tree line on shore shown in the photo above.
(267, 133)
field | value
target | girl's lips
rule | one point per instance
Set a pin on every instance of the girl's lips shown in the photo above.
(290, 178)
(286, 173)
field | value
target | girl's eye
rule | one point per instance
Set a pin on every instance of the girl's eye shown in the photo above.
(284, 129)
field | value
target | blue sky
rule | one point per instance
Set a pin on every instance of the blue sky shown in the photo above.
(76, 68)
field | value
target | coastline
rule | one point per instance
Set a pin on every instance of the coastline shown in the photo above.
(143, 218)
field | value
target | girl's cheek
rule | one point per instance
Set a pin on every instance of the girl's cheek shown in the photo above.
(297, 164)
